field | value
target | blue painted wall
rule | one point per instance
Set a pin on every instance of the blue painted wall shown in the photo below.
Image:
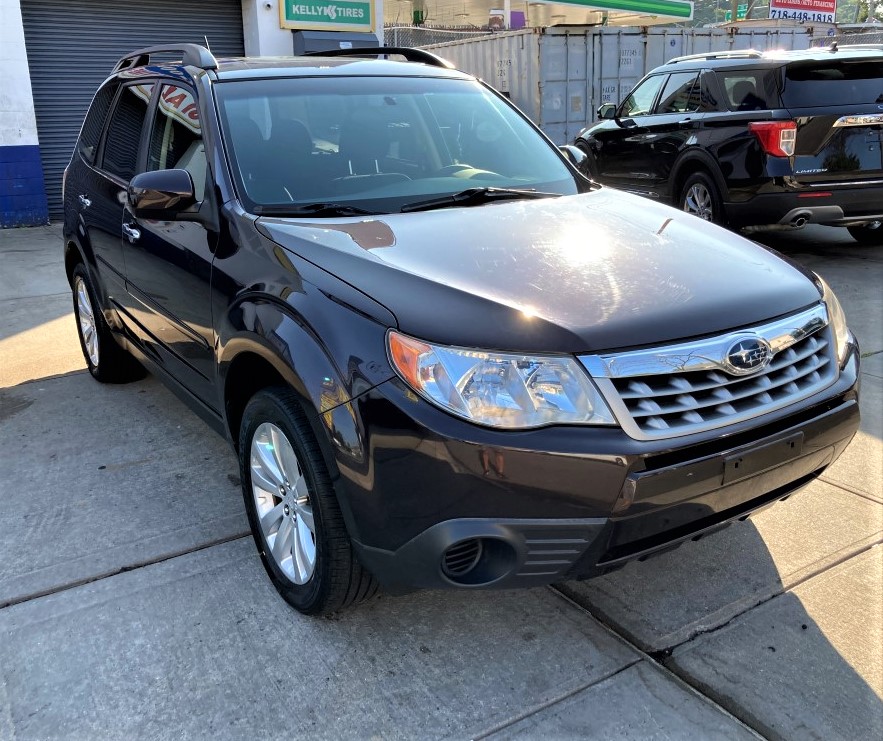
(22, 194)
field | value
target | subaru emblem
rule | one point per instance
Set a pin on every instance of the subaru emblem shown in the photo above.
(748, 355)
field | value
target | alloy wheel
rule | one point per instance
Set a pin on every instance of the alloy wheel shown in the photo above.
(88, 325)
(282, 503)
(697, 201)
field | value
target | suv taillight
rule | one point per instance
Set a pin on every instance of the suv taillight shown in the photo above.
(776, 137)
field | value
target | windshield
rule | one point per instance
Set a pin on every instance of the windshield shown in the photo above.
(378, 143)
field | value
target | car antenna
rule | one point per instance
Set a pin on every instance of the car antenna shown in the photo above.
(206, 42)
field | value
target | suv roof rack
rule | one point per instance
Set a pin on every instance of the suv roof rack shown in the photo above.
(838, 45)
(409, 53)
(734, 54)
(193, 55)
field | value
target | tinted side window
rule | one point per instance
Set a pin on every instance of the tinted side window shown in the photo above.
(124, 131)
(709, 99)
(748, 89)
(176, 136)
(680, 94)
(87, 145)
(640, 100)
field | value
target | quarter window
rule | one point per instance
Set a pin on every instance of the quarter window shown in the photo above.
(176, 136)
(94, 123)
(640, 100)
(124, 132)
(746, 90)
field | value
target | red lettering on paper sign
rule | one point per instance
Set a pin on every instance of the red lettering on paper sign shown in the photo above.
(818, 6)
(180, 104)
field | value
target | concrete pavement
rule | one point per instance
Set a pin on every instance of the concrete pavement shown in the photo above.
(132, 605)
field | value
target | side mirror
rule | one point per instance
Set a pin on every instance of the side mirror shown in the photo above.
(161, 194)
(574, 155)
(608, 110)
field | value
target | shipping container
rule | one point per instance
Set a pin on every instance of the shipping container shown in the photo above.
(560, 75)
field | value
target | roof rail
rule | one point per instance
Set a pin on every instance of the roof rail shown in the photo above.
(193, 55)
(409, 53)
(733, 54)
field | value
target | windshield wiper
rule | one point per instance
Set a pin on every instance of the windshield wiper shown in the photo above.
(314, 209)
(475, 197)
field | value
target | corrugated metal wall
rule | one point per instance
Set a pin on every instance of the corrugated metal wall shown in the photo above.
(72, 46)
(559, 76)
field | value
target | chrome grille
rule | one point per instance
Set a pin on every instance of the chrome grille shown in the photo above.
(688, 388)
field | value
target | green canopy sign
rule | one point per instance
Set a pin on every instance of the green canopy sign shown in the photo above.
(681, 9)
(327, 15)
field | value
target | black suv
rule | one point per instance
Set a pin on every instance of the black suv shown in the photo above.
(444, 357)
(748, 139)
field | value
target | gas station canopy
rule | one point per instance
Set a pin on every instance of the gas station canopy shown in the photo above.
(532, 13)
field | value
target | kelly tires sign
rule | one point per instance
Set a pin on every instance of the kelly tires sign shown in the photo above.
(813, 11)
(327, 15)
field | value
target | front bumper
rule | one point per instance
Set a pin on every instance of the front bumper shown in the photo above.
(439, 510)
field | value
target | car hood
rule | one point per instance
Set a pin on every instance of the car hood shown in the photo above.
(598, 271)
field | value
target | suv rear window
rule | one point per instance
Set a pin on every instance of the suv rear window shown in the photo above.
(833, 83)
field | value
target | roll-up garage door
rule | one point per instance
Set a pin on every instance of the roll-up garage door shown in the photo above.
(72, 46)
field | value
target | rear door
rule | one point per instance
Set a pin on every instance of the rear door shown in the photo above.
(101, 188)
(838, 107)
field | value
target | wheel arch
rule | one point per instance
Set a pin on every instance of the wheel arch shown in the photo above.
(690, 162)
(266, 342)
(253, 366)
(73, 256)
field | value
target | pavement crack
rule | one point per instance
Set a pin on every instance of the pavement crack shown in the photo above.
(135, 565)
(645, 655)
(849, 489)
(665, 653)
(549, 703)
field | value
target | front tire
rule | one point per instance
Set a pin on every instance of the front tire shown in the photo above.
(868, 234)
(293, 511)
(700, 197)
(107, 361)
(589, 168)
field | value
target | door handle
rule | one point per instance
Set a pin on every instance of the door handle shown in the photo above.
(84, 201)
(131, 233)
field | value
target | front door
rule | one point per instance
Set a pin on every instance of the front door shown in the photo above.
(168, 263)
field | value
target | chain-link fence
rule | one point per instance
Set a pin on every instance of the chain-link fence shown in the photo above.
(423, 36)
(844, 39)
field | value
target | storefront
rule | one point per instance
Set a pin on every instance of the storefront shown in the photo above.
(72, 46)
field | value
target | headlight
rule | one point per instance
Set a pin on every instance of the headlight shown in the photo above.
(499, 389)
(836, 318)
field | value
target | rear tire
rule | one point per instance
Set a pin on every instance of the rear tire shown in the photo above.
(700, 197)
(293, 511)
(107, 361)
(869, 234)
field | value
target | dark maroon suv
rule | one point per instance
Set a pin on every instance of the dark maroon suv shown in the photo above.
(747, 139)
(444, 357)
